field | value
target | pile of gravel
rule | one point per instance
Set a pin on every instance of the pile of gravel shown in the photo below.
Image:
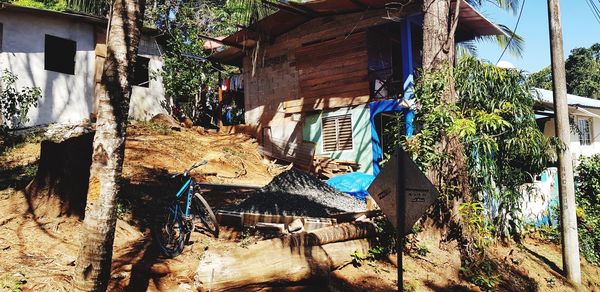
(295, 192)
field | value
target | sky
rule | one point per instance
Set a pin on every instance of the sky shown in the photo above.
(580, 29)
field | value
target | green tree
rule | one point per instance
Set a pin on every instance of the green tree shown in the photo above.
(542, 79)
(493, 120)
(588, 207)
(583, 73)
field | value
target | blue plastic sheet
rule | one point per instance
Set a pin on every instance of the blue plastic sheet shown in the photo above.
(354, 184)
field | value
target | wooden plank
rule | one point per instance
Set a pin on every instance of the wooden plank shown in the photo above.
(335, 91)
(339, 69)
(344, 98)
(101, 50)
(339, 46)
(340, 85)
(311, 60)
(357, 100)
(305, 81)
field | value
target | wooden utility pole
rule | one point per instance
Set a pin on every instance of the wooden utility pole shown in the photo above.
(570, 242)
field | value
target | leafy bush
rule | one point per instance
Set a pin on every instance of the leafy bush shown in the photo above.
(15, 103)
(588, 208)
(494, 120)
(482, 272)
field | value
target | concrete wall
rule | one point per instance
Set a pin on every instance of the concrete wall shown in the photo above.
(146, 102)
(65, 98)
(69, 98)
(362, 150)
(576, 148)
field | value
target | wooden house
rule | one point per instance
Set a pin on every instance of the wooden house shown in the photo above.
(320, 76)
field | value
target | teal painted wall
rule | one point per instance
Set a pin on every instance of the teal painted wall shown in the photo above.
(361, 152)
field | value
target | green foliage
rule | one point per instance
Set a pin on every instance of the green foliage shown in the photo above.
(155, 128)
(357, 258)
(385, 240)
(494, 120)
(583, 73)
(482, 273)
(57, 5)
(542, 79)
(184, 71)
(588, 208)
(422, 250)
(94, 7)
(15, 103)
(473, 214)
(12, 283)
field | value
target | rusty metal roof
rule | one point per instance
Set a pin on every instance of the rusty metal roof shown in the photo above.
(471, 23)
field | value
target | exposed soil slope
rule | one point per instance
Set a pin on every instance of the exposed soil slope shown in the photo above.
(39, 254)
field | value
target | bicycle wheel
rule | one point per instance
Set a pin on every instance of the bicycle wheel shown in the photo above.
(206, 215)
(170, 232)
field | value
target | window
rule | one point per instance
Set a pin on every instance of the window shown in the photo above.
(140, 72)
(59, 55)
(337, 133)
(584, 125)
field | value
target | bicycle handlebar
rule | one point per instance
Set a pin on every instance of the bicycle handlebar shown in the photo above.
(197, 164)
(194, 166)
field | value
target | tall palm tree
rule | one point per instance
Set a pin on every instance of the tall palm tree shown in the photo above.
(510, 40)
(94, 261)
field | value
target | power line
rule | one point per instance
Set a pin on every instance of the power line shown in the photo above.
(594, 8)
(513, 32)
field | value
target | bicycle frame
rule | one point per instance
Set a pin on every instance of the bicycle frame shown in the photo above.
(186, 185)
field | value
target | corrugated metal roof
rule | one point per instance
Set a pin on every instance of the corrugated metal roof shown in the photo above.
(471, 22)
(547, 98)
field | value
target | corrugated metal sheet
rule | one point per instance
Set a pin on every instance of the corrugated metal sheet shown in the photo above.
(547, 98)
(471, 23)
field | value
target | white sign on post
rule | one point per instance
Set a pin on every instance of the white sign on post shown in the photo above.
(419, 192)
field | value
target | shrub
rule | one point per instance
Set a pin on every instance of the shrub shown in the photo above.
(15, 103)
(587, 195)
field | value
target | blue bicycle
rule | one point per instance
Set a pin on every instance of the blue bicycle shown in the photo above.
(174, 224)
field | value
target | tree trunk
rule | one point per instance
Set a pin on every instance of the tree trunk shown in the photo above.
(297, 258)
(439, 26)
(93, 263)
(436, 15)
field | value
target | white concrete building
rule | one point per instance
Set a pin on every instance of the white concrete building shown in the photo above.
(63, 53)
(541, 196)
(585, 115)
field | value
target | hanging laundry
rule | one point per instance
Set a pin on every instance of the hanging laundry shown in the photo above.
(225, 84)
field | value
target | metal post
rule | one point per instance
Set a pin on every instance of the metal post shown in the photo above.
(400, 212)
(570, 242)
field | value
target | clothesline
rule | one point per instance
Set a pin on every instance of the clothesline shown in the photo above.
(233, 83)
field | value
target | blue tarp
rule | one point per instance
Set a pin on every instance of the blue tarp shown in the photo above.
(354, 184)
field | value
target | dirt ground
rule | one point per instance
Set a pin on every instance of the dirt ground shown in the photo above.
(38, 254)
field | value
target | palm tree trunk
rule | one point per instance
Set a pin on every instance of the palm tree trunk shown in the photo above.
(93, 263)
(439, 26)
(436, 14)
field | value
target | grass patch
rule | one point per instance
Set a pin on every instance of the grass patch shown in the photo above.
(13, 283)
(154, 128)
